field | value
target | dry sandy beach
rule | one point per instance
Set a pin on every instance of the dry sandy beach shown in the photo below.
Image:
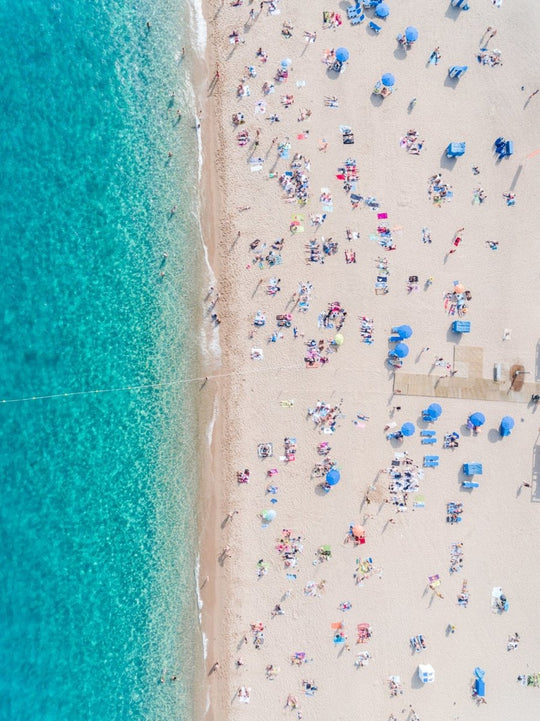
(268, 598)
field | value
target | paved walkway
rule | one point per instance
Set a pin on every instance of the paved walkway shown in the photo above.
(468, 383)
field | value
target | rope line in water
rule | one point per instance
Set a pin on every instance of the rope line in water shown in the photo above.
(149, 386)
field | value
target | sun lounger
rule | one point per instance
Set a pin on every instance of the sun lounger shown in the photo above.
(431, 461)
(470, 484)
(352, 12)
(376, 28)
(427, 434)
(472, 469)
(428, 441)
(358, 19)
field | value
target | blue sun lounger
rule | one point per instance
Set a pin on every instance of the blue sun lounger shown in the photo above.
(428, 441)
(428, 434)
(376, 28)
(431, 461)
(472, 469)
(358, 19)
(470, 484)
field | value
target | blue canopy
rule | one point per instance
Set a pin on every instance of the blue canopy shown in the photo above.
(403, 331)
(401, 350)
(388, 80)
(411, 34)
(382, 10)
(506, 426)
(477, 419)
(408, 429)
(333, 477)
(342, 54)
(434, 410)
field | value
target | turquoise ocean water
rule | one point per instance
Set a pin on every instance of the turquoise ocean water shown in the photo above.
(98, 529)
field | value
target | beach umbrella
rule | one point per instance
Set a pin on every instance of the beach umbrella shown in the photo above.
(506, 426)
(408, 429)
(382, 10)
(388, 80)
(268, 515)
(286, 63)
(477, 419)
(342, 55)
(358, 531)
(434, 410)
(411, 34)
(333, 477)
(401, 350)
(338, 339)
(403, 331)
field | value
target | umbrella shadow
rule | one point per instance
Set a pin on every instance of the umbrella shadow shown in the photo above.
(400, 53)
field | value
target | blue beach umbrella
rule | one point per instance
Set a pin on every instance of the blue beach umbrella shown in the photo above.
(342, 55)
(333, 477)
(408, 429)
(382, 10)
(434, 411)
(411, 34)
(401, 350)
(506, 426)
(477, 419)
(388, 80)
(403, 331)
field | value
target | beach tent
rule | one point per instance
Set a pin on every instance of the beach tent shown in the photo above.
(401, 350)
(333, 477)
(382, 10)
(388, 80)
(426, 674)
(411, 34)
(403, 331)
(506, 426)
(434, 411)
(408, 429)
(477, 419)
(342, 55)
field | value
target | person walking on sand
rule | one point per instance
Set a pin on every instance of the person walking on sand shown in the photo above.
(457, 240)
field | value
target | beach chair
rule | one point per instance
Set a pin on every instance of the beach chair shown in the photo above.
(427, 434)
(428, 441)
(461, 326)
(472, 469)
(431, 461)
(376, 28)
(470, 484)
(352, 11)
(358, 19)
(371, 3)
(460, 4)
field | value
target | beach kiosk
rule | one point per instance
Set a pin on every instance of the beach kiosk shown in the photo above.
(426, 673)
(455, 150)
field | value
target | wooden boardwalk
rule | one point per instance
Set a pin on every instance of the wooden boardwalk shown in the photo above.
(468, 383)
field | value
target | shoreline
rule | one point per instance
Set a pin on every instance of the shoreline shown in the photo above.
(250, 393)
